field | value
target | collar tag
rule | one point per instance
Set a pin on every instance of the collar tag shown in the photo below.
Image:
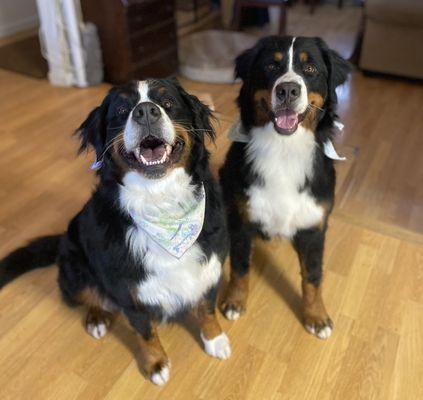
(97, 164)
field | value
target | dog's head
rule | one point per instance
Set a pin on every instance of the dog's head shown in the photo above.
(289, 81)
(150, 126)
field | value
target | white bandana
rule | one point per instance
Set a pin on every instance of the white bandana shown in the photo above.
(175, 233)
(237, 134)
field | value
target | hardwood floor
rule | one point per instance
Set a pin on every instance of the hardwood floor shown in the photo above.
(373, 281)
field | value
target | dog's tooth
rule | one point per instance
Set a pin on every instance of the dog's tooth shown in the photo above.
(168, 149)
(143, 160)
(163, 158)
(137, 153)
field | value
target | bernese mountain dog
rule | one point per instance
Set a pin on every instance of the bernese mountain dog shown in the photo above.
(279, 182)
(151, 240)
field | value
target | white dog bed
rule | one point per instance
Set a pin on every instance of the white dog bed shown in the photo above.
(208, 56)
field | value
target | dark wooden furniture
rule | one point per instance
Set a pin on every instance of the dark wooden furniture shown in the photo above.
(138, 37)
(240, 4)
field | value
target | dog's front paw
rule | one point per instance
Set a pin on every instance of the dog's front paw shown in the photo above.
(232, 310)
(218, 347)
(160, 374)
(234, 302)
(321, 328)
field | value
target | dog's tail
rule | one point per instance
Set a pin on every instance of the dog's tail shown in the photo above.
(39, 253)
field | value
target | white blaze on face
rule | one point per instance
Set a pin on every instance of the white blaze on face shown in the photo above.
(133, 133)
(292, 76)
(291, 55)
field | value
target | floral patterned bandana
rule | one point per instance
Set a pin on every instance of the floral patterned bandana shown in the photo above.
(175, 233)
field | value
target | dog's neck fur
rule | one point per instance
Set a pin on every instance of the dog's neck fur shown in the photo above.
(138, 192)
(280, 202)
(272, 154)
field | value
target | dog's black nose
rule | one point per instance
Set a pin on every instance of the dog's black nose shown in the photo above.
(146, 113)
(288, 92)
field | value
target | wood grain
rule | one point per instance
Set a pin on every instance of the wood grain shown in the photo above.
(373, 273)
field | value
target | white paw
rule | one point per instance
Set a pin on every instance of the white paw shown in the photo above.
(160, 378)
(232, 315)
(218, 347)
(323, 333)
(97, 330)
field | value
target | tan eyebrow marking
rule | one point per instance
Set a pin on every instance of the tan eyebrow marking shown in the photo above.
(303, 56)
(278, 56)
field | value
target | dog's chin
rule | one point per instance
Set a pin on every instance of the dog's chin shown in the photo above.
(154, 157)
(286, 121)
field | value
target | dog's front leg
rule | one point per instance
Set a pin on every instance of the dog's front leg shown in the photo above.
(154, 360)
(234, 302)
(309, 244)
(216, 343)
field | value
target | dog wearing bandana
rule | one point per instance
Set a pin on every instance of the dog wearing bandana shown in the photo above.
(150, 242)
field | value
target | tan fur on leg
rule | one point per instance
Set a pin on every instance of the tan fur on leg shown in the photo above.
(208, 322)
(235, 300)
(216, 343)
(154, 360)
(316, 318)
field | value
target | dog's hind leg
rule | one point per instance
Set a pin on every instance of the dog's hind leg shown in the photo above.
(99, 317)
(76, 290)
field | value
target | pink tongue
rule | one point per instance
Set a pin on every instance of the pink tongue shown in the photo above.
(153, 154)
(286, 119)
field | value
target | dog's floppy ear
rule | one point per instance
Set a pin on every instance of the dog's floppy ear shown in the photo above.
(338, 67)
(202, 114)
(93, 131)
(245, 60)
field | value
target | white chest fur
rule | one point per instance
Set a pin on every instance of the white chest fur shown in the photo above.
(285, 162)
(172, 283)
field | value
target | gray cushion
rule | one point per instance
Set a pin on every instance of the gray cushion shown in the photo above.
(404, 12)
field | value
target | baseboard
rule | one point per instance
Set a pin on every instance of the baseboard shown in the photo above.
(18, 26)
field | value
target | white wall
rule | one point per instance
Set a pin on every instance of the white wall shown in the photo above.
(17, 15)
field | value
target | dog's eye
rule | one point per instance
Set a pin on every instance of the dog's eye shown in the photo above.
(122, 110)
(167, 104)
(270, 67)
(310, 69)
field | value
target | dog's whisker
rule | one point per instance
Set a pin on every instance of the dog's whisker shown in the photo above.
(313, 105)
(114, 140)
(117, 140)
(116, 128)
